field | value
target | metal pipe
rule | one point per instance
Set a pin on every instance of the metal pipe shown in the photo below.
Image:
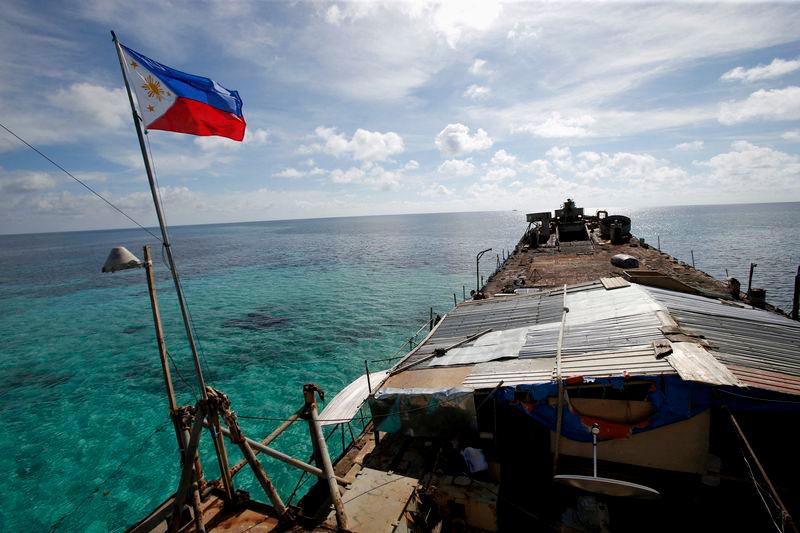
(268, 439)
(478, 269)
(750, 278)
(162, 347)
(786, 516)
(595, 431)
(310, 392)
(796, 298)
(280, 456)
(560, 408)
(692, 252)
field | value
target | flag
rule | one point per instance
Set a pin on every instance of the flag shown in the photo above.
(172, 100)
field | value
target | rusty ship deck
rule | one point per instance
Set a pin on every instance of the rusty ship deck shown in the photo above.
(560, 341)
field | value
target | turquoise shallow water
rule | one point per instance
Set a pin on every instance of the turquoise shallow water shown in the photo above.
(275, 304)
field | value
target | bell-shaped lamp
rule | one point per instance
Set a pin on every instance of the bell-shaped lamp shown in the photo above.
(121, 258)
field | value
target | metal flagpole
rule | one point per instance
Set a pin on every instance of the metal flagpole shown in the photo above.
(219, 444)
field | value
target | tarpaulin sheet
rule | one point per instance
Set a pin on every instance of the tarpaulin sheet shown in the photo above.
(422, 412)
(671, 398)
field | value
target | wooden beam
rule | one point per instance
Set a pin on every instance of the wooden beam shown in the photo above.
(269, 438)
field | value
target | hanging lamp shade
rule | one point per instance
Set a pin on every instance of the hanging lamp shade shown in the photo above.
(121, 258)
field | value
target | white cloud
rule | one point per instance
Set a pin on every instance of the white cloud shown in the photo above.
(20, 182)
(333, 15)
(521, 32)
(363, 146)
(689, 146)
(772, 104)
(411, 165)
(477, 92)
(503, 158)
(456, 20)
(369, 174)
(479, 67)
(348, 12)
(754, 167)
(778, 67)
(793, 135)
(557, 126)
(455, 139)
(290, 172)
(104, 107)
(252, 137)
(499, 174)
(457, 168)
(436, 189)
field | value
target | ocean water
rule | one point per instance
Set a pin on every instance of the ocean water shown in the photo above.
(86, 443)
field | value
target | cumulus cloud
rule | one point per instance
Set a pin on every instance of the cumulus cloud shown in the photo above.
(503, 158)
(252, 137)
(479, 67)
(364, 145)
(369, 174)
(104, 107)
(778, 67)
(793, 135)
(772, 104)
(754, 166)
(455, 20)
(436, 189)
(20, 182)
(689, 146)
(457, 168)
(476, 92)
(499, 174)
(455, 139)
(411, 165)
(293, 172)
(290, 173)
(558, 126)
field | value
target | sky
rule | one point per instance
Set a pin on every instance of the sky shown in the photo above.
(403, 107)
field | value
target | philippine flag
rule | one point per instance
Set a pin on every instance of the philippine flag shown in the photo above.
(172, 100)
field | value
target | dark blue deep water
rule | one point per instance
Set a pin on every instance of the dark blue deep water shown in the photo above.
(275, 305)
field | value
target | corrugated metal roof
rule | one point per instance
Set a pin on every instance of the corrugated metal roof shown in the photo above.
(493, 345)
(610, 333)
(764, 342)
(764, 379)
(344, 405)
(634, 360)
(497, 313)
(599, 320)
(511, 372)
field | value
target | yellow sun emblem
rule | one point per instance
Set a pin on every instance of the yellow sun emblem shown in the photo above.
(153, 88)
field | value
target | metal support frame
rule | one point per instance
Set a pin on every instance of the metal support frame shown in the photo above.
(310, 392)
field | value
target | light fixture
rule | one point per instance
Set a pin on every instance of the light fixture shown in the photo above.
(121, 258)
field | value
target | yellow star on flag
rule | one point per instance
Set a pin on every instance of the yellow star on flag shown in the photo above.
(134, 64)
(151, 108)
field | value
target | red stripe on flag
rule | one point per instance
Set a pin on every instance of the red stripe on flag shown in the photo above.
(197, 118)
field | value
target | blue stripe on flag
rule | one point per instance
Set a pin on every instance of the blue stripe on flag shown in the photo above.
(190, 86)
